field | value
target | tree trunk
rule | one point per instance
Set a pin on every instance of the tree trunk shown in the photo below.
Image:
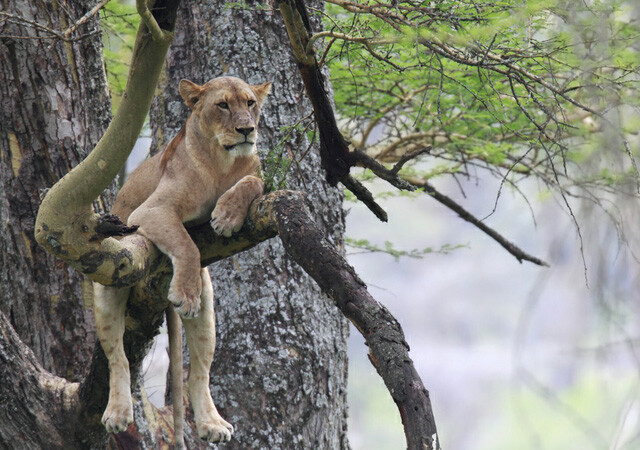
(54, 109)
(279, 373)
(55, 106)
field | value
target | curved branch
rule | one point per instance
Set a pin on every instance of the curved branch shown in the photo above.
(66, 225)
(334, 148)
(149, 20)
(345, 37)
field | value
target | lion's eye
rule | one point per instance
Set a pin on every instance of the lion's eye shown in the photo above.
(251, 103)
(223, 105)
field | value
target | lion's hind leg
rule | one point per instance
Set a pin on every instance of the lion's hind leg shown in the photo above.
(109, 311)
(201, 339)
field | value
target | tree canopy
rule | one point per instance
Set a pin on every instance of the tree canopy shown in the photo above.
(544, 90)
(515, 87)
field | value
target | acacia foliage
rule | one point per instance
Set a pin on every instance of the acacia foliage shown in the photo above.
(545, 88)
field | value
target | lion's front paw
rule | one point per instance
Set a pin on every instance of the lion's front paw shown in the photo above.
(117, 416)
(215, 430)
(226, 220)
(185, 300)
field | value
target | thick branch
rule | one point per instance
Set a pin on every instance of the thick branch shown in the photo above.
(363, 194)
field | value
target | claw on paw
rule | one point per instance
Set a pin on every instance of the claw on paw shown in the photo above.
(187, 306)
(215, 431)
(226, 223)
(117, 418)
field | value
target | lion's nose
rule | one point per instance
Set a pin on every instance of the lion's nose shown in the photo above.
(245, 131)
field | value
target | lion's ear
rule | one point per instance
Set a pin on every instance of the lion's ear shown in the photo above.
(190, 92)
(261, 91)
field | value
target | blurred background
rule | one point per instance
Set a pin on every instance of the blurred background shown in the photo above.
(513, 355)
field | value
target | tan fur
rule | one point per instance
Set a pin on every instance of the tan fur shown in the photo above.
(209, 171)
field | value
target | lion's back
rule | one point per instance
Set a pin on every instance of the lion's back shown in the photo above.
(138, 187)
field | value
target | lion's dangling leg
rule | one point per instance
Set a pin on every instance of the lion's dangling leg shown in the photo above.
(164, 228)
(201, 339)
(109, 311)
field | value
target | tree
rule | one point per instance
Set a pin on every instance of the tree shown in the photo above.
(67, 227)
(511, 90)
(42, 137)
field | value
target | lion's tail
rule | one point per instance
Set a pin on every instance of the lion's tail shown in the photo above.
(174, 328)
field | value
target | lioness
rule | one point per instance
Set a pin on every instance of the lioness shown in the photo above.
(210, 170)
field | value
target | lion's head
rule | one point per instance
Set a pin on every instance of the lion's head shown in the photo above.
(227, 110)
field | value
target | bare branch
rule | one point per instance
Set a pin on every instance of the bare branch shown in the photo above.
(52, 34)
(64, 36)
(150, 21)
(363, 194)
(346, 37)
(392, 177)
(519, 254)
(92, 12)
(406, 157)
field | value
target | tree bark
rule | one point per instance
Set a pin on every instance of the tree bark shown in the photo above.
(279, 374)
(35, 406)
(55, 107)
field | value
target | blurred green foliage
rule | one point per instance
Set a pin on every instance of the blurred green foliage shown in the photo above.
(119, 21)
(594, 412)
(365, 246)
(515, 88)
(376, 421)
